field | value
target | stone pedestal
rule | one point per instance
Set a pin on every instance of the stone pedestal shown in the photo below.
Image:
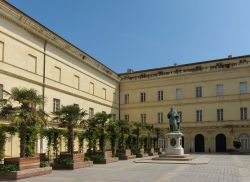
(174, 144)
(174, 150)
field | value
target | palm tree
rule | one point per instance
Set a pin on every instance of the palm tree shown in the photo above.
(22, 108)
(102, 121)
(124, 129)
(138, 129)
(150, 129)
(70, 116)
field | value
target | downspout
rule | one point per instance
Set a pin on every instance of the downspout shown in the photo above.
(119, 101)
(44, 69)
(43, 87)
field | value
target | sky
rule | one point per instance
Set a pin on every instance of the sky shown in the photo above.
(145, 34)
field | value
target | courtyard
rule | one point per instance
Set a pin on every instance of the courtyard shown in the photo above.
(221, 167)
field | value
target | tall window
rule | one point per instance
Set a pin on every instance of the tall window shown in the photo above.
(178, 94)
(198, 91)
(219, 90)
(243, 113)
(104, 93)
(220, 116)
(1, 51)
(57, 74)
(1, 91)
(126, 117)
(76, 81)
(143, 97)
(92, 88)
(198, 115)
(91, 112)
(114, 117)
(180, 116)
(126, 98)
(160, 117)
(56, 104)
(243, 87)
(160, 95)
(143, 118)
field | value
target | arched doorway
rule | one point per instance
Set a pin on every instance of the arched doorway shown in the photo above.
(245, 142)
(199, 143)
(182, 141)
(221, 143)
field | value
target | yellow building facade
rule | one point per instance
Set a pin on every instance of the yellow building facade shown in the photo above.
(212, 97)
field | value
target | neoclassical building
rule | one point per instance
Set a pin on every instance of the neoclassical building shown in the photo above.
(212, 97)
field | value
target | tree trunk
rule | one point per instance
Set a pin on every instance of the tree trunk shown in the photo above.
(71, 140)
(23, 133)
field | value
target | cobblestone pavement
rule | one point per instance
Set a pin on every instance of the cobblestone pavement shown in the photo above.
(221, 168)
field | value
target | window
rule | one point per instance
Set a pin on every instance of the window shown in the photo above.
(91, 88)
(198, 115)
(56, 105)
(104, 93)
(57, 74)
(243, 113)
(113, 117)
(126, 98)
(1, 91)
(219, 114)
(1, 51)
(243, 87)
(126, 117)
(178, 94)
(143, 97)
(114, 97)
(160, 95)
(91, 112)
(160, 118)
(198, 91)
(31, 63)
(219, 90)
(180, 116)
(76, 82)
(143, 118)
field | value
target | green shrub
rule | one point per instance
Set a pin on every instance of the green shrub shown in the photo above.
(64, 161)
(237, 144)
(8, 168)
(43, 164)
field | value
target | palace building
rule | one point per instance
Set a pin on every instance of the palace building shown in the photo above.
(212, 97)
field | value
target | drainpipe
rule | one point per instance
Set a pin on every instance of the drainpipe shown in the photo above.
(43, 87)
(44, 69)
(119, 101)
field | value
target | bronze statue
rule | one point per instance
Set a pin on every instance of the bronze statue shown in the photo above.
(174, 121)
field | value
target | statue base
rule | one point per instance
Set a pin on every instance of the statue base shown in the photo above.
(174, 150)
(174, 144)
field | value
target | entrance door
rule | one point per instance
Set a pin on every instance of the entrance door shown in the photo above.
(221, 143)
(199, 143)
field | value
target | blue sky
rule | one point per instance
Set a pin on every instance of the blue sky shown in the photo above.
(144, 34)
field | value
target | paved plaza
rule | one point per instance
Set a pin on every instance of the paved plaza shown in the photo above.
(227, 168)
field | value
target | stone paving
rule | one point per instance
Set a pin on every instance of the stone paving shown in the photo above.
(221, 168)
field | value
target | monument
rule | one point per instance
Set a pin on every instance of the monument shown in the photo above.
(174, 150)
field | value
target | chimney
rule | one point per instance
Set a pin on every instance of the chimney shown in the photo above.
(130, 70)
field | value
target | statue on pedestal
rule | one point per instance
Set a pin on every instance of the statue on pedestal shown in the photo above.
(174, 121)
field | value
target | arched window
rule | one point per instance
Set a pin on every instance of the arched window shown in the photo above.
(244, 140)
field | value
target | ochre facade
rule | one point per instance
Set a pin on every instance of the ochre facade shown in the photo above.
(32, 56)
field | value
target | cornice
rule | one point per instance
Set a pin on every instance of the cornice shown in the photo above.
(15, 15)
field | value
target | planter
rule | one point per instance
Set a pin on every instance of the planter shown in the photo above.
(28, 167)
(24, 163)
(151, 152)
(125, 154)
(141, 154)
(70, 162)
(108, 158)
(27, 173)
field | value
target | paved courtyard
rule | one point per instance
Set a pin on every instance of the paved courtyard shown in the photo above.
(227, 168)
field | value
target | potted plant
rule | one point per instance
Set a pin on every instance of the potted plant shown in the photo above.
(22, 108)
